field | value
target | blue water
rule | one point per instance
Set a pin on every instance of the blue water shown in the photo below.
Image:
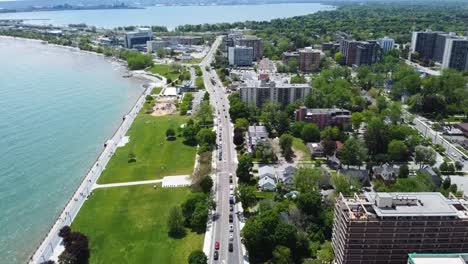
(171, 16)
(57, 108)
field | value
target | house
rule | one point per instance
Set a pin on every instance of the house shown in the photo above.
(256, 134)
(360, 174)
(316, 149)
(267, 184)
(287, 175)
(386, 172)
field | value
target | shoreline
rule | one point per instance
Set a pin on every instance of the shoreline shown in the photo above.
(49, 242)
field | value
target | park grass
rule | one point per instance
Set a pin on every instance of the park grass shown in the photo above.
(165, 70)
(129, 225)
(156, 157)
(299, 146)
(156, 90)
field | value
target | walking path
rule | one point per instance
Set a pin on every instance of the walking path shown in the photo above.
(120, 184)
(168, 181)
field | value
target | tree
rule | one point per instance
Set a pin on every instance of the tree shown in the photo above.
(281, 255)
(310, 133)
(175, 222)
(345, 184)
(206, 183)
(238, 136)
(242, 123)
(199, 217)
(425, 155)
(197, 257)
(458, 165)
(329, 147)
(244, 167)
(307, 179)
(206, 136)
(76, 247)
(353, 152)
(204, 113)
(325, 254)
(285, 143)
(161, 53)
(397, 150)
(330, 133)
(282, 122)
(338, 57)
(131, 157)
(376, 136)
(246, 195)
(394, 112)
(170, 134)
(310, 202)
(446, 183)
(404, 171)
(296, 128)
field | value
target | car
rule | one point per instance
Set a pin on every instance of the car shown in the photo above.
(231, 247)
(464, 157)
(231, 187)
(231, 218)
(453, 154)
(231, 228)
(231, 237)
(231, 208)
(216, 245)
(231, 192)
(230, 180)
(216, 255)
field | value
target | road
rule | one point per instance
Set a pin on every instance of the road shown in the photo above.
(437, 138)
(226, 162)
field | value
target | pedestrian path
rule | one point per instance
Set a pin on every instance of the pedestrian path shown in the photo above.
(168, 181)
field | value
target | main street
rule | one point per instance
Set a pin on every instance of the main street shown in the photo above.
(226, 160)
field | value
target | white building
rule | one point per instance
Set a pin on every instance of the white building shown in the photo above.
(386, 43)
(456, 54)
(138, 39)
(240, 56)
(154, 45)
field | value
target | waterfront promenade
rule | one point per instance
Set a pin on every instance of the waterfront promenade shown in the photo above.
(51, 241)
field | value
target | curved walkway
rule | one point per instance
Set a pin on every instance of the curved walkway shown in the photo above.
(168, 181)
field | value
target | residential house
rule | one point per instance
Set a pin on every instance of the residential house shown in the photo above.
(316, 149)
(386, 172)
(256, 134)
(287, 175)
(267, 178)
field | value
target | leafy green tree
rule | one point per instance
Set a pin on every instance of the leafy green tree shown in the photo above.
(238, 136)
(246, 195)
(244, 168)
(397, 150)
(199, 217)
(170, 134)
(329, 147)
(282, 123)
(376, 136)
(403, 171)
(345, 184)
(296, 128)
(394, 112)
(446, 183)
(330, 133)
(307, 179)
(310, 203)
(175, 222)
(242, 123)
(285, 143)
(197, 257)
(353, 152)
(206, 183)
(281, 255)
(204, 113)
(325, 254)
(310, 133)
(425, 155)
(206, 136)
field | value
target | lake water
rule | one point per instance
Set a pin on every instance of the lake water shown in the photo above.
(57, 108)
(170, 16)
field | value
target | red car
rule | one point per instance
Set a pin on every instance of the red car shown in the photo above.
(216, 245)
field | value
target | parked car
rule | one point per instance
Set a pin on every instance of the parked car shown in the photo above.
(231, 208)
(231, 247)
(216, 245)
(231, 237)
(231, 218)
(216, 255)
(231, 228)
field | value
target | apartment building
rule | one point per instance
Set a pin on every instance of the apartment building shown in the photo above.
(386, 227)
(258, 92)
(368, 52)
(456, 54)
(240, 56)
(309, 59)
(386, 43)
(416, 258)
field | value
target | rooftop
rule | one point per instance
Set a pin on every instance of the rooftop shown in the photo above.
(438, 258)
(410, 204)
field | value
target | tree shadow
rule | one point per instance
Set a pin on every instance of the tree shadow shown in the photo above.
(177, 235)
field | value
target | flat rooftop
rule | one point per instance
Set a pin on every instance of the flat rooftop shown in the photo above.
(425, 204)
(438, 258)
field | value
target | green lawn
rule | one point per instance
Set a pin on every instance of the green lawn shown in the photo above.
(129, 225)
(156, 90)
(155, 156)
(165, 70)
(298, 145)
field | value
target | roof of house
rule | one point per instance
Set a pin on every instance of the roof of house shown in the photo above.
(266, 170)
(266, 180)
(387, 171)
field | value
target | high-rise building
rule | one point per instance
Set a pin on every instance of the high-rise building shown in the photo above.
(348, 49)
(287, 56)
(258, 92)
(251, 41)
(368, 52)
(153, 45)
(456, 54)
(309, 59)
(386, 227)
(240, 56)
(138, 39)
(360, 52)
(423, 42)
(386, 43)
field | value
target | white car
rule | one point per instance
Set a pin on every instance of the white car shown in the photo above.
(231, 237)
(231, 187)
(231, 192)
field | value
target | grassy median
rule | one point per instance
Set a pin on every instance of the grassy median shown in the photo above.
(129, 225)
(155, 157)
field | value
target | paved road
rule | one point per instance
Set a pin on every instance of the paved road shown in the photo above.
(437, 138)
(226, 165)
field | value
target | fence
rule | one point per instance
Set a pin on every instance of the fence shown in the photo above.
(51, 241)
